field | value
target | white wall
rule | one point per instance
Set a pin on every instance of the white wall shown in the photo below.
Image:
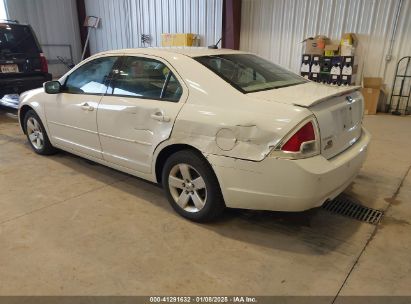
(55, 22)
(275, 29)
(123, 21)
(3, 14)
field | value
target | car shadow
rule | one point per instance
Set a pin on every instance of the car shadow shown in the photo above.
(314, 231)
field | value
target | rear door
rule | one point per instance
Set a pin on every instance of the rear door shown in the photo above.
(139, 110)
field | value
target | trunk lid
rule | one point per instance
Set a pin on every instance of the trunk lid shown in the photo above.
(338, 110)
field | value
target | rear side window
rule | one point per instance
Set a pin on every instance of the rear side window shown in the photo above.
(92, 77)
(173, 89)
(146, 78)
(249, 73)
(17, 39)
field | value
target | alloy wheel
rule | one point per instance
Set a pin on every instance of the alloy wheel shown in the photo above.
(35, 133)
(187, 187)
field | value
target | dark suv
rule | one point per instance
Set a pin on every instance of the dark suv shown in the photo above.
(22, 64)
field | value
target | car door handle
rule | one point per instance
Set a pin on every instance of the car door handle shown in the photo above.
(86, 107)
(159, 116)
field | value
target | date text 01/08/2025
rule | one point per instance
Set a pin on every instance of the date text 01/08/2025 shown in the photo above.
(203, 299)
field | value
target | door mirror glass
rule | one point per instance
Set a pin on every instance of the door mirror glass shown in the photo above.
(52, 87)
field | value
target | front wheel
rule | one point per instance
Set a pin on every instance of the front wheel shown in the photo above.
(192, 187)
(36, 134)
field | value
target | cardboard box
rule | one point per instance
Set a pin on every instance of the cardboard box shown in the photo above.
(349, 39)
(315, 45)
(178, 39)
(371, 97)
(348, 44)
(371, 91)
(372, 82)
(347, 50)
(331, 49)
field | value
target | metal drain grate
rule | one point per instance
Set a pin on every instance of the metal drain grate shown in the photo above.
(348, 207)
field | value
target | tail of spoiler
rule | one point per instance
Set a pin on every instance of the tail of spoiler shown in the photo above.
(304, 95)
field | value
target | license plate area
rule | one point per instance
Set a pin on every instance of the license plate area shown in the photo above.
(347, 116)
(339, 120)
(9, 68)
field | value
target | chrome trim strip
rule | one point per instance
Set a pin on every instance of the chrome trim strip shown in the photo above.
(128, 140)
(68, 126)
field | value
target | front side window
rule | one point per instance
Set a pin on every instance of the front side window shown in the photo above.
(249, 73)
(91, 78)
(146, 78)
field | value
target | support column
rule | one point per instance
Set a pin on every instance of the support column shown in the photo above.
(81, 12)
(231, 24)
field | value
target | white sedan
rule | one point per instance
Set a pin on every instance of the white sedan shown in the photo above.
(218, 128)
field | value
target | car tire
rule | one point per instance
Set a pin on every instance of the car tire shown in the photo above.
(37, 135)
(192, 187)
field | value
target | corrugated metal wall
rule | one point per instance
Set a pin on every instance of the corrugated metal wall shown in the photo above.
(275, 29)
(123, 21)
(3, 13)
(55, 22)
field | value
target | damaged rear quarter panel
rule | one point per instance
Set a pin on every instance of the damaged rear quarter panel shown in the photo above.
(218, 119)
(251, 134)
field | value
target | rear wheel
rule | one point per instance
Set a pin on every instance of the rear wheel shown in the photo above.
(36, 134)
(192, 187)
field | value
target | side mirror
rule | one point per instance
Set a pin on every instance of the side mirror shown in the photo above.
(52, 87)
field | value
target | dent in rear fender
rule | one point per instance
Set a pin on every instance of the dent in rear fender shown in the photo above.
(248, 142)
(238, 134)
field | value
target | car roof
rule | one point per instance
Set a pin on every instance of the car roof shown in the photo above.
(167, 51)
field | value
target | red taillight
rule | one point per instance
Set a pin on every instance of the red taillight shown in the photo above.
(305, 134)
(43, 64)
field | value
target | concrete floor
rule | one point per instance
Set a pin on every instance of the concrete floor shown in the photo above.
(71, 227)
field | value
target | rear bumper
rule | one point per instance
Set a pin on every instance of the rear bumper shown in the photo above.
(288, 185)
(18, 85)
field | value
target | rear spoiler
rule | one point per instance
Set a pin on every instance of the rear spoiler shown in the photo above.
(341, 92)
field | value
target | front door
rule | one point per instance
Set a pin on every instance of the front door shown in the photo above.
(138, 111)
(71, 117)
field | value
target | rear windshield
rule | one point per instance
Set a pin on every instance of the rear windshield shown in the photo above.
(17, 39)
(249, 73)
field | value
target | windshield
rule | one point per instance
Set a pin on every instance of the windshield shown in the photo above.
(17, 39)
(249, 73)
